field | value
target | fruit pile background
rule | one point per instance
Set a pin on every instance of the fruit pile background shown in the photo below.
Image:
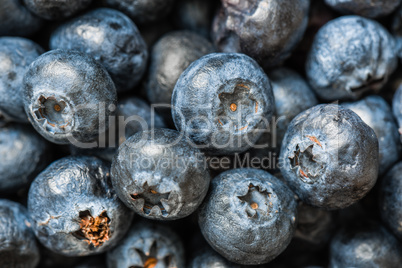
(330, 70)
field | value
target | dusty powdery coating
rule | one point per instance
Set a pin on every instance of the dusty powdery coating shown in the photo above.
(159, 175)
(148, 245)
(223, 101)
(18, 245)
(249, 216)
(16, 19)
(368, 246)
(366, 8)
(56, 10)
(350, 56)
(267, 30)
(376, 113)
(16, 54)
(292, 96)
(143, 11)
(74, 209)
(391, 200)
(397, 108)
(23, 154)
(329, 157)
(211, 259)
(171, 55)
(112, 39)
(66, 95)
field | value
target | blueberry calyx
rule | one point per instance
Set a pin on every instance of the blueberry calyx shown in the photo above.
(53, 113)
(94, 230)
(153, 201)
(150, 258)
(304, 162)
(257, 200)
(238, 107)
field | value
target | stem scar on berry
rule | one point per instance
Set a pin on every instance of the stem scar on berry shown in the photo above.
(257, 200)
(152, 198)
(94, 230)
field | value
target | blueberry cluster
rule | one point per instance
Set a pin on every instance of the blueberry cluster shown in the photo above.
(200, 133)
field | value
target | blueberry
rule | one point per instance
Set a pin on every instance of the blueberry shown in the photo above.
(329, 157)
(365, 246)
(249, 216)
(66, 94)
(376, 113)
(350, 56)
(397, 108)
(223, 101)
(56, 10)
(391, 199)
(148, 245)
(209, 258)
(315, 226)
(143, 11)
(16, 54)
(23, 154)
(171, 55)
(266, 30)
(370, 9)
(112, 39)
(195, 15)
(16, 20)
(292, 96)
(18, 247)
(74, 208)
(159, 175)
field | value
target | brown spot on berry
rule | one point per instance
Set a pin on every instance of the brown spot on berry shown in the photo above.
(233, 107)
(254, 205)
(314, 139)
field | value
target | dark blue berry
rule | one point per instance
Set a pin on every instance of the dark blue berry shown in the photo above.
(148, 245)
(66, 95)
(18, 245)
(223, 102)
(16, 54)
(350, 56)
(17, 20)
(329, 157)
(391, 199)
(112, 39)
(143, 11)
(23, 154)
(365, 246)
(74, 209)
(56, 10)
(249, 216)
(159, 175)
(171, 55)
(266, 30)
(195, 15)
